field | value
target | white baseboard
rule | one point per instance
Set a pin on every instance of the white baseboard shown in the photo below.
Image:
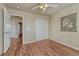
(65, 44)
(32, 41)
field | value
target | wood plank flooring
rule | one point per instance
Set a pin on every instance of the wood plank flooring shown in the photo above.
(15, 46)
(45, 48)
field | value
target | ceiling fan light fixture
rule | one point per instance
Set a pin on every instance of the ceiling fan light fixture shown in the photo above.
(41, 7)
(44, 8)
(46, 5)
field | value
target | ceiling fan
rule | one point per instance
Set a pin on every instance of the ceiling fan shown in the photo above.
(43, 6)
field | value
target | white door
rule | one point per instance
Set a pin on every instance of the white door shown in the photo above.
(6, 30)
(41, 28)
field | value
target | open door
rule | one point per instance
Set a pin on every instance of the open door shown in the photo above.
(6, 30)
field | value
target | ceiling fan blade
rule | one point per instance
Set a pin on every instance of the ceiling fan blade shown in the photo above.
(36, 7)
(52, 5)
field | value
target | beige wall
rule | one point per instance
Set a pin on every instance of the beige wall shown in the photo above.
(29, 24)
(42, 27)
(29, 28)
(69, 38)
(1, 27)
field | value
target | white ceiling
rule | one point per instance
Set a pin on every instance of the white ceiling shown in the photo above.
(28, 7)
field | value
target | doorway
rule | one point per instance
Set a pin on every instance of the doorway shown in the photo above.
(20, 31)
(16, 28)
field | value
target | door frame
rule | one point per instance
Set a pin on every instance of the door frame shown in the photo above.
(22, 24)
(6, 14)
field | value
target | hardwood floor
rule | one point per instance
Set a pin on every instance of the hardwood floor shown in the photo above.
(15, 46)
(44, 48)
